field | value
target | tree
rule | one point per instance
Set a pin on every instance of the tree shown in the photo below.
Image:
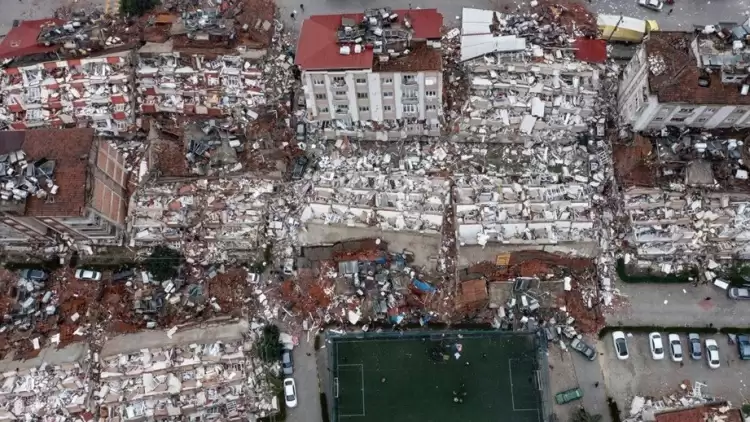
(269, 346)
(136, 7)
(581, 415)
(163, 263)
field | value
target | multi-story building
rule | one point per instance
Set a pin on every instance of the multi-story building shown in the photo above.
(61, 184)
(376, 75)
(688, 79)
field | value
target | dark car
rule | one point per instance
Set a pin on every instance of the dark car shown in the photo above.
(300, 166)
(301, 132)
(123, 275)
(694, 344)
(743, 346)
(287, 363)
(584, 348)
(33, 275)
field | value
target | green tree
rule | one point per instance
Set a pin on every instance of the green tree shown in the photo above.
(136, 7)
(269, 346)
(163, 263)
(581, 415)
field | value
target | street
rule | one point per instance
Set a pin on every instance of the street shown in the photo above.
(308, 390)
(677, 305)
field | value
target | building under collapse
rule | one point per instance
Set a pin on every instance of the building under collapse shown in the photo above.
(61, 184)
(373, 76)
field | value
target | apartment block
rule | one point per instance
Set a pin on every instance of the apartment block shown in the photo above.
(688, 79)
(373, 76)
(61, 184)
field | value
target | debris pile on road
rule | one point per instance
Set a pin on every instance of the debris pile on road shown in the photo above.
(44, 392)
(690, 398)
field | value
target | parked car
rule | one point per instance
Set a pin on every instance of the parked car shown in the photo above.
(88, 275)
(300, 166)
(675, 347)
(33, 275)
(287, 363)
(621, 345)
(657, 346)
(569, 396)
(712, 353)
(743, 346)
(123, 275)
(290, 392)
(694, 344)
(656, 5)
(301, 132)
(738, 293)
(585, 349)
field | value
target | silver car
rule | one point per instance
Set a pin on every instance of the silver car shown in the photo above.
(738, 293)
(656, 5)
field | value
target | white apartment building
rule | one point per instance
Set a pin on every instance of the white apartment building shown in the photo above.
(374, 76)
(686, 79)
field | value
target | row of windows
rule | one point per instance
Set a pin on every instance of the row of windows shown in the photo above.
(338, 80)
(386, 94)
(408, 108)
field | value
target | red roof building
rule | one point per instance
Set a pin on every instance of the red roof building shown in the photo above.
(319, 49)
(22, 40)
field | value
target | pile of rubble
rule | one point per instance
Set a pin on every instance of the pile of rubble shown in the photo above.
(692, 403)
(22, 177)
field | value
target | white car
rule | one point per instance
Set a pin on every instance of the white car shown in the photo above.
(290, 392)
(656, 5)
(657, 346)
(675, 347)
(621, 345)
(712, 353)
(88, 275)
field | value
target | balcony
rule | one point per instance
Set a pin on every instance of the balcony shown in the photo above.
(411, 81)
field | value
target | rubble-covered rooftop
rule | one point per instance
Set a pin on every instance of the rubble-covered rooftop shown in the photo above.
(675, 75)
(358, 41)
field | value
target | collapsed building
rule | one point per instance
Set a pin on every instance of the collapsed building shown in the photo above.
(207, 63)
(61, 185)
(688, 80)
(374, 76)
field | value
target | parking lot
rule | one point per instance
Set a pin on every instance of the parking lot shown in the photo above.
(641, 375)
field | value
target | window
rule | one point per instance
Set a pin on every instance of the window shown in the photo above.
(701, 120)
(409, 79)
(410, 108)
(388, 94)
(361, 81)
(339, 80)
(430, 81)
(431, 107)
(387, 81)
(324, 109)
(364, 109)
(430, 93)
(677, 119)
(320, 96)
(319, 81)
(340, 93)
(362, 95)
(687, 110)
(342, 109)
(410, 93)
(387, 108)
(658, 119)
(711, 110)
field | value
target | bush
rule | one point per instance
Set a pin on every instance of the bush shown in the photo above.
(269, 347)
(746, 409)
(136, 7)
(684, 277)
(163, 263)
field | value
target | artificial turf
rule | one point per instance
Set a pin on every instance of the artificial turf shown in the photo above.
(410, 379)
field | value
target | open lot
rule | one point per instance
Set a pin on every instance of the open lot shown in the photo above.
(419, 378)
(642, 375)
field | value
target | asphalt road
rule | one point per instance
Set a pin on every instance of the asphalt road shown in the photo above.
(591, 381)
(677, 305)
(308, 391)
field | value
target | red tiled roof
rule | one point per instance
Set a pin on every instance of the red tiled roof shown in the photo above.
(22, 40)
(69, 148)
(699, 414)
(591, 50)
(678, 80)
(318, 46)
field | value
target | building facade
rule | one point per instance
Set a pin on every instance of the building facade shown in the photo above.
(375, 76)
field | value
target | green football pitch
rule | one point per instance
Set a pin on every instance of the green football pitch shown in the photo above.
(418, 378)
